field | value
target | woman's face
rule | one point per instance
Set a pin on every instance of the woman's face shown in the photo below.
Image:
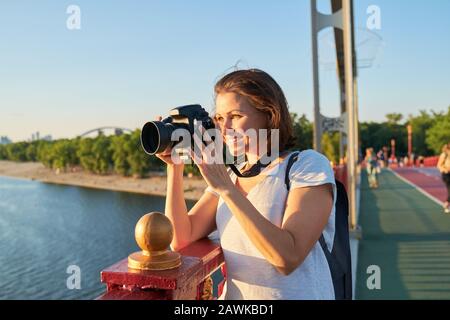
(234, 116)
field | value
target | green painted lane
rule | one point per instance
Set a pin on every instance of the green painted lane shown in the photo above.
(408, 236)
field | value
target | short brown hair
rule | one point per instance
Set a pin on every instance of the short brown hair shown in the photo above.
(263, 93)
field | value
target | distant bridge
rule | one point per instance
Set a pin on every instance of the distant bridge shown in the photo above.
(101, 130)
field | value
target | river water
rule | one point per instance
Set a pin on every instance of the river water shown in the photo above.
(46, 228)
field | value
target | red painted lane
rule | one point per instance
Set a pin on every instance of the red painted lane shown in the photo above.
(427, 179)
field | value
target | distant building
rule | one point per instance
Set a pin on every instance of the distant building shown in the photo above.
(47, 138)
(4, 140)
(36, 137)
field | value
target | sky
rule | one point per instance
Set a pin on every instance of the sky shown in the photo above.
(133, 60)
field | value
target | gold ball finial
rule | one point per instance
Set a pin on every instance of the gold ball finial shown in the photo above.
(153, 234)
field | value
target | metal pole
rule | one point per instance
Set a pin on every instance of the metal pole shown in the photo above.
(355, 92)
(315, 63)
(342, 135)
(350, 107)
(409, 127)
(393, 150)
(356, 123)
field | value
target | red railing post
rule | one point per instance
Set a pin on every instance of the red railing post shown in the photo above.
(190, 281)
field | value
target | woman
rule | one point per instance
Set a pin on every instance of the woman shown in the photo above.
(444, 167)
(269, 236)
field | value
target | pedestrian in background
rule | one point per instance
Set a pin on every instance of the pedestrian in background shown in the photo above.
(371, 167)
(444, 167)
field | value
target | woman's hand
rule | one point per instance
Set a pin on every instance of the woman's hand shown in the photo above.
(167, 157)
(214, 172)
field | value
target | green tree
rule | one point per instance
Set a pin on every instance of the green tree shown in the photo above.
(439, 133)
(44, 153)
(85, 154)
(330, 146)
(64, 154)
(376, 135)
(372, 135)
(119, 154)
(394, 118)
(137, 159)
(420, 125)
(103, 154)
(17, 151)
(3, 155)
(303, 131)
(31, 152)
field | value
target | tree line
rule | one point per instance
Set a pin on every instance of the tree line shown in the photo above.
(123, 154)
(430, 131)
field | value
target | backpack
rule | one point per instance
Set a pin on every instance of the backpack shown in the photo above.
(339, 259)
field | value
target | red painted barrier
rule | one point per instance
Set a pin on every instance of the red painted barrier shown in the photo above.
(190, 281)
(431, 161)
(427, 162)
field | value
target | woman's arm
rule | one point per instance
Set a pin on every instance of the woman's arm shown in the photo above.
(190, 226)
(176, 209)
(304, 220)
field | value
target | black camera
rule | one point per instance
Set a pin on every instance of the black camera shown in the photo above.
(156, 136)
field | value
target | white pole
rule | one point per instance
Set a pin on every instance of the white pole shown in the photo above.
(350, 107)
(315, 63)
(356, 108)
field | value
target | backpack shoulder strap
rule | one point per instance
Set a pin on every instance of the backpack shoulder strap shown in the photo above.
(324, 246)
(292, 158)
(287, 181)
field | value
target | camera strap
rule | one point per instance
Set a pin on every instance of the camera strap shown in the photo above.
(252, 172)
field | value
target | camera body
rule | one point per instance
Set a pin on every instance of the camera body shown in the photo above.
(156, 136)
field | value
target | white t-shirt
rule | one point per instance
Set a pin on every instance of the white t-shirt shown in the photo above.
(249, 275)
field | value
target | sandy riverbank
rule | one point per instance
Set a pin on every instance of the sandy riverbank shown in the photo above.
(155, 185)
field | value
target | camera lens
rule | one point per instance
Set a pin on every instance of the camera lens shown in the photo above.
(155, 137)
